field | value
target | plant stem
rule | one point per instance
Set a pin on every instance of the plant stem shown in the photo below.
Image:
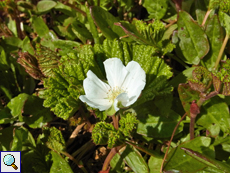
(174, 131)
(206, 17)
(221, 52)
(115, 121)
(110, 156)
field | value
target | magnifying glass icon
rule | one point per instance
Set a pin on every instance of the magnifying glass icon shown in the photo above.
(9, 160)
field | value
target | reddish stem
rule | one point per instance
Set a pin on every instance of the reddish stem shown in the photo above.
(174, 131)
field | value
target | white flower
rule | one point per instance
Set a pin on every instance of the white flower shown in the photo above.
(124, 86)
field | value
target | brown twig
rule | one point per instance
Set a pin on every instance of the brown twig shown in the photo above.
(115, 121)
(174, 131)
(74, 134)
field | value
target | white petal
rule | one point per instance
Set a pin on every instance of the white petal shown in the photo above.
(101, 104)
(94, 87)
(115, 72)
(123, 98)
(135, 81)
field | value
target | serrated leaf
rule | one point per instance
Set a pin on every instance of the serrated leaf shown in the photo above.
(179, 161)
(54, 139)
(156, 9)
(157, 72)
(193, 41)
(59, 164)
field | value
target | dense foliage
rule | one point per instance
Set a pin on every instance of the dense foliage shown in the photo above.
(180, 122)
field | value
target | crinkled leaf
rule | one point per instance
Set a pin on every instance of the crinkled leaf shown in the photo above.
(156, 9)
(179, 161)
(54, 139)
(65, 87)
(59, 164)
(193, 41)
(209, 115)
(157, 72)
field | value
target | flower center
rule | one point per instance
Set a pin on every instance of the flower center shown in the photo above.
(114, 92)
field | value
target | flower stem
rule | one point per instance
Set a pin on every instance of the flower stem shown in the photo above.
(115, 121)
(221, 52)
(110, 156)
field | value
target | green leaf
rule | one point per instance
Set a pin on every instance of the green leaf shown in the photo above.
(54, 139)
(17, 103)
(208, 160)
(153, 124)
(179, 161)
(59, 164)
(201, 8)
(37, 160)
(134, 160)
(45, 6)
(193, 41)
(157, 72)
(6, 116)
(81, 31)
(213, 120)
(65, 9)
(6, 137)
(225, 19)
(156, 9)
(154, 164)
(21, 138)
(105, 21)
(38, 115)
(215, 35)
(40, 27)
(117, 164)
